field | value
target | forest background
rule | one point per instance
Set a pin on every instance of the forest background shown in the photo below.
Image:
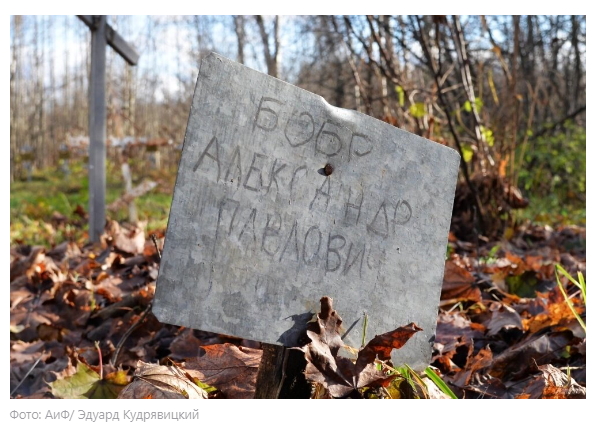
(506, 91)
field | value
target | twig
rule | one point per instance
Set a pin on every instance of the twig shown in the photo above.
(128, 333)
(464, 66)
(422, 38)
(153, 237)
(139, 321)
(27, 374)
(126, 303)
(100, 355)
(365, 318)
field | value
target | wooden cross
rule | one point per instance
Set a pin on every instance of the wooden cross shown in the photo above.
(102, 34)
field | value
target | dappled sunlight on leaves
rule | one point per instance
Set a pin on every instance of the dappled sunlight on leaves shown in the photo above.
(502, 319)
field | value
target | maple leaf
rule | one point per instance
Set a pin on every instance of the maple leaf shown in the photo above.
(153, 381)
(341, 376)
(86, 384)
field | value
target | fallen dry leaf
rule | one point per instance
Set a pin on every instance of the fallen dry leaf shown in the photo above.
(539, 349)
(229, 368)
(452, 326)
(553, 384)
(69, 296)
(33, 377)
(21, 352)
(380, 347)
(324, 366)
(153, 381)
(127, 240)
(434, 391)
(503, 317)
(483, 359)
(185, 345)
(86, 384)
(340, 376)
(458, 283)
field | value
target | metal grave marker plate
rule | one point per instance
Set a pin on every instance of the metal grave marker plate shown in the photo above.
(258, 232)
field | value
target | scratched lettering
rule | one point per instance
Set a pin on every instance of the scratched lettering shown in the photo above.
(322, 193)
(353, 209)
(281, 199)
(235, 167)
(299, 129)
(333, 255)
(311, 249)
(206, 154)
(254, 168)
(292, 243)
(275, 170)
(266, 117)
(271, 231)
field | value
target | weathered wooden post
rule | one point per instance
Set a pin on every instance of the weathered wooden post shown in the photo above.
(102, 34)
(127, 180)
(281, 199)
(97, 129)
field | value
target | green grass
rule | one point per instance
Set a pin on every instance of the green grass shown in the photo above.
(32, 204)
(440, 383)
(551, 210)
(579, 284)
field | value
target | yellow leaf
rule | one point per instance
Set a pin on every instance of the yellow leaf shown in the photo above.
(418, 110)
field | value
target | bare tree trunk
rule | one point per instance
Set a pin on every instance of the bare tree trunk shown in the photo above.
(15, 104)
(385, 56)
(278, 51)
(469, 89)
(515, 122)
(272, 59)
(66, 105)
(39, 111)
(240, 36)
(577, 92)
(436, 72)
(54, 123)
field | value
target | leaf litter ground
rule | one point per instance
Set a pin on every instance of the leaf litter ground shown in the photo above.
(81, 327)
